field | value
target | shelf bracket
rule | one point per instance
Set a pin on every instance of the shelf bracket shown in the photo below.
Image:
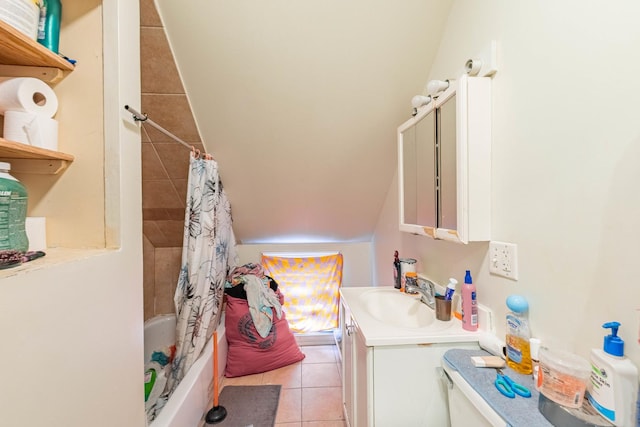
(50, 75)
(38, 166)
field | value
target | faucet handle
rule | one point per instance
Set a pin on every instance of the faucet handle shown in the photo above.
(427, 284)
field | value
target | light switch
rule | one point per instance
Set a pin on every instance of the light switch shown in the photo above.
(503, 259)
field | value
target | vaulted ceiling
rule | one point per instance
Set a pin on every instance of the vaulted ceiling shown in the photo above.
(299, 102)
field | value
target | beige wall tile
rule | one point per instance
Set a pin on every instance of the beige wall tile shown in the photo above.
(152, 232)
(181, 187)
(173, 232)
(149, 15)
(174, 157)
(148, 278)
(167, 261)
(154, 214)
(157, 67)
(173, 113)
(152, 167)
(176, 214)
(144, 135)
(160, 194)
(164, 170)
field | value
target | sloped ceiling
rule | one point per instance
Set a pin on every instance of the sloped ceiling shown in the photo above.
(299, 102)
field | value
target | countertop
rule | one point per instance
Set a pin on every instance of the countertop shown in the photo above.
(378, 333)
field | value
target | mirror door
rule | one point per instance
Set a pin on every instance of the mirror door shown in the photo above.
(447, 171)
(444, 164)
(417, 173)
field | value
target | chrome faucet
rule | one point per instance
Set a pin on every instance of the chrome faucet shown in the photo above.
(427, 291)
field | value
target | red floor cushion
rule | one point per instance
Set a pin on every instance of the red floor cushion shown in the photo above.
(248, 352)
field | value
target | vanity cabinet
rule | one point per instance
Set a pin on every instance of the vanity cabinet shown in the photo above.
(392, 385)
(444, 164)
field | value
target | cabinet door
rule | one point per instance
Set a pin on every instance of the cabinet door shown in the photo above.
(417, 173)
(362, 372)
(448, 200)
(347, 368)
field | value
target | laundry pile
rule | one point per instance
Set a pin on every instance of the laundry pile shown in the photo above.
(257, 331)
(249, 282)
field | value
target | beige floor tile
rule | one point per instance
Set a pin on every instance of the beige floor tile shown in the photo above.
(255, 379)
(320, 375)
(322, 404)
(336, 350)
(288, 425)
(324, 424)
(290, 406)
(287, 376)
(319, 354)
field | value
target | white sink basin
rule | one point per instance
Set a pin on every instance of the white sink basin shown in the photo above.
(393, 307)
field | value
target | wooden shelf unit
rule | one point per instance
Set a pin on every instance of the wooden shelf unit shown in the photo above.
(21, 56)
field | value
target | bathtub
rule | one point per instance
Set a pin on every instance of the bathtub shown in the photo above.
(194, 395)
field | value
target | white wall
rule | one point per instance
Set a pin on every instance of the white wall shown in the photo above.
(298, 100)
(72, 331)
(566, 144)
(356, 258)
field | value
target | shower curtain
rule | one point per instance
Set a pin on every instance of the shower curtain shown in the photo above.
(208, 253)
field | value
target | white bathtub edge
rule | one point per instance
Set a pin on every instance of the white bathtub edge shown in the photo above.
(193, 397)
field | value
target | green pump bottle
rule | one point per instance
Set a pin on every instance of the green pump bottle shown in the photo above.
(49, 26)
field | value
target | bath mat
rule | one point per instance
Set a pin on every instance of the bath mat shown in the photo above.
(249, 405)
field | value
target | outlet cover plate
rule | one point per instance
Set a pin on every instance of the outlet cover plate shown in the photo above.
(503, 259)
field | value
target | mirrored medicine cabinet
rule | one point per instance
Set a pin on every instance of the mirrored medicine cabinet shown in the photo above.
(444, 164)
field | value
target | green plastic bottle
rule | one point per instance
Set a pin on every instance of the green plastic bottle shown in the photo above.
(49, 26)
(13, 212)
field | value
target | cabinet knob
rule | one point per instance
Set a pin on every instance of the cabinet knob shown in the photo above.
(350, 329)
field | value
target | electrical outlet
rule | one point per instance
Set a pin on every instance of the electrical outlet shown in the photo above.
(503, 259)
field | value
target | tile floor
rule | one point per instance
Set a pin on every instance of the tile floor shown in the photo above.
(311, 394)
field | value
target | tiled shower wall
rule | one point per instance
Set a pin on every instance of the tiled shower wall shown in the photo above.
(165, 163)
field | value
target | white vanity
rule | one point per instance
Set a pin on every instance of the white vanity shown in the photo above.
(392, 346)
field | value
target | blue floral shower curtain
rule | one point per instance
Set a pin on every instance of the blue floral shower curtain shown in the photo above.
(208, 253)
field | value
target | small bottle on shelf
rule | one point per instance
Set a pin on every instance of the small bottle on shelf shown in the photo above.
(49, 26)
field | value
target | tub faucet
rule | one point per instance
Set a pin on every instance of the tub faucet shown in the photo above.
(427, 291)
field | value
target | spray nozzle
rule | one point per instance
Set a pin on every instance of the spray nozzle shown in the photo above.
(613, 344)
(467, 277)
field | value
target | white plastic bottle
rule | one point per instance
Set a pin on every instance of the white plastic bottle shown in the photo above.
(613, 388)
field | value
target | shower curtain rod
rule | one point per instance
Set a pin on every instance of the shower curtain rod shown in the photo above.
(138, 117)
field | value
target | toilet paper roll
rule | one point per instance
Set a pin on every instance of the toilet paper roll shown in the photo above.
(28, 94)
(36, 228)
(33, 129)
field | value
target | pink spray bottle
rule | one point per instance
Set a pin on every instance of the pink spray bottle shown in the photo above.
(469, 304)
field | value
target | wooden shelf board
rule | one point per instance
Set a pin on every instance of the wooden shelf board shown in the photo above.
(18, 49)
(17, 150)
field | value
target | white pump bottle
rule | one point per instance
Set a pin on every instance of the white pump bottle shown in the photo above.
(613, 388)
